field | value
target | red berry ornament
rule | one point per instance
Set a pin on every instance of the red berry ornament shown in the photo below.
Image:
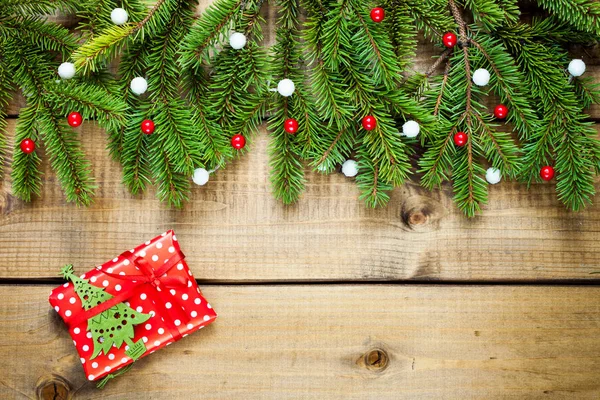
(501, 111)
(460, 139)
(291, 125)
(369, 122)
(147, 126)
(27, 146)
(547, 173)
(238, 141)
(449, 40)
(377, 14)
(75, 119)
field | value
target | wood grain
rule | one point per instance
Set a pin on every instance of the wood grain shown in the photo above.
(236, 232)
(233, 230)
(335, 342)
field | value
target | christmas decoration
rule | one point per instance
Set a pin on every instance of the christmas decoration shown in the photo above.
(369, 122)
(501, 111)
(111, 327)
(493, 176)
(286, 87)
(119, 16)
(576, 67)
(200, 177)
(449, 40)
(291, 125)
(200, 91)
(32, 53)
(131, 306)
(411, 129)
(237, 40)
(27, 146)
(74, 119)
(481, 77)
(66, 70)
(147, 126)
(547, 173)
(238, 141)
(377, 14)
(333, 67)
(350, 168)
(460, 139)
(138, 85)
(522, 63)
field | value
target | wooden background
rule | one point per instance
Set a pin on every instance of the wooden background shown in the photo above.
(326, 298)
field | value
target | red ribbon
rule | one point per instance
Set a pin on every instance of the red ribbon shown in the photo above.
(155, 279)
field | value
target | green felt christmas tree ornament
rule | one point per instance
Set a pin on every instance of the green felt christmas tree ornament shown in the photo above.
(112, 327)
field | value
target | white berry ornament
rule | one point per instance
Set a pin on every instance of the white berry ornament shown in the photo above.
(576, 67)
(119, 16)
(66, 70)
(481, 77)
(286, 87)
(492, 175)
(138, 85)
(411, 129)
(200, 177)
(350, 168)
(237, 40)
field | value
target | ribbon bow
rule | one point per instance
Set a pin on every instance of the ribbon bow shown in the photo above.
(155, 279)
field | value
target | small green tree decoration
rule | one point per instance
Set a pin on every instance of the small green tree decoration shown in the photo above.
(113, 326)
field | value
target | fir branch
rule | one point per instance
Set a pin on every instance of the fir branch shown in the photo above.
(489, 14)
(5, 93)
(42, 35)
(103, 48)
(338, 37)
(374, 191)
(91, 101)
(587, 91)
(94, 54)
(173, 187)
(214, 145)
(470, 189)
(430, 16)
(174, 128)
(328, 89)
(287, 173)
(67, 159)
(135, 152)
(373, 46)
(498, 147)
(582, 14)
(506, 82)
(26, 175)
(575, 179)
(575, 154)
(37, 7)
(95, 14)
(132, 65)
(403, 34)
(211, 27)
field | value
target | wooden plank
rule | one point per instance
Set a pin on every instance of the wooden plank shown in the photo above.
(233, 230)
(335, 342)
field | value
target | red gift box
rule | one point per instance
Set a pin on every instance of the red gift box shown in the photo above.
(152, 279)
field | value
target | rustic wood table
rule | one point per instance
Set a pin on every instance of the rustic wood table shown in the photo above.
(326, 298)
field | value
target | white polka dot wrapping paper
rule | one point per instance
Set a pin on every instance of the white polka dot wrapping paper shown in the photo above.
(143, 278)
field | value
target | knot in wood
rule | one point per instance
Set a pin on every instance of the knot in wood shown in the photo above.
(53, 387)
(419, 212)
(376, 360)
